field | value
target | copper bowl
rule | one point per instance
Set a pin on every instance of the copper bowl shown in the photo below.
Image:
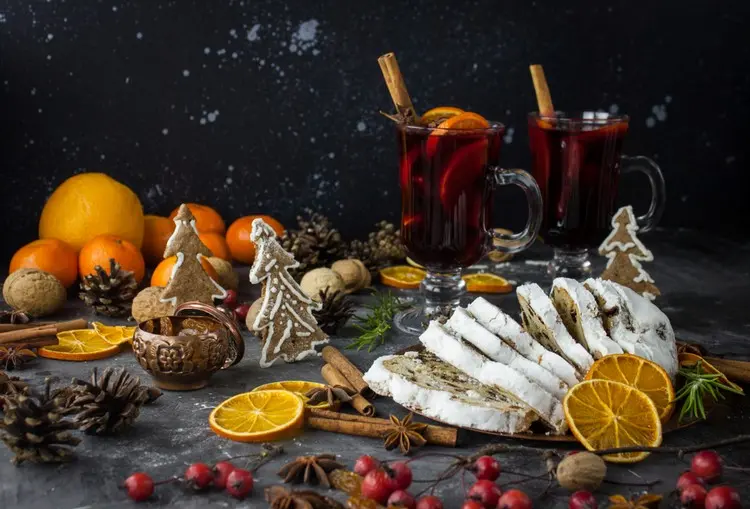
(181, 352)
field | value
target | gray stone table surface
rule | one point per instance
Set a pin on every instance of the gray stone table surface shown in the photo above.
(706, 290)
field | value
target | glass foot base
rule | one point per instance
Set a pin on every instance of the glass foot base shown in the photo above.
(572, 264)
(414, 320)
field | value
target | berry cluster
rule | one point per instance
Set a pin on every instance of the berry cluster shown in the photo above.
(706, 468)
(232, 304)
(237, 482)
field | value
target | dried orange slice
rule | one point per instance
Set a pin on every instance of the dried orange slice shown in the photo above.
(298, 387)
(402, 276)
(688, 360)
(441, 112)
(258, 416)
(640, 373)
(413, 263)
(603, 414)
(484, 282)
(466, 120)
(79, 345)
(114, 334)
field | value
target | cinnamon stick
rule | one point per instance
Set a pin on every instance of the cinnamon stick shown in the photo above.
(338, 360)
(34, 342)
(349, 424)
(394, 80)
(737, 371)
(79, 323)
(543, 97)
(334, 377)
(17, 336)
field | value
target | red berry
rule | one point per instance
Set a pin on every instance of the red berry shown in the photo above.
(429, 502)
(199, 476)
(688, 478)
(230, 300)
(378, 486)
(707, 464)
(221, 471)
(486, 467)
(582, 500)
(723, 497)
(401, 474)
(241, 312)
(240, 483)
(485, 492)
(472, 504)
(140, 486)
(365, 464)
(514, 499)
(693, 496)
(402, 498)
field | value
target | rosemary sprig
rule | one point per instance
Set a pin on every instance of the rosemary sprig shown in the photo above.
(698, 385)
(375, 325)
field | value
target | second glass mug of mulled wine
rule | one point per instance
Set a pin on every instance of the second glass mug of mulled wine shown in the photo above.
(447, 179)
(577, 161)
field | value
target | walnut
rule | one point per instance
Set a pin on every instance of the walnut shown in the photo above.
(228, 278)
(354, 273)
(35, 292)
(252, 313)
(320, 279)
(146, 304)
(581, 471)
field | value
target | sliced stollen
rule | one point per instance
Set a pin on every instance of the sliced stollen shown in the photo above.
(423, 383)
(515, 386)
(581, 316)
(635, 323)
(463, 325)
(508, 330)
(542, 321)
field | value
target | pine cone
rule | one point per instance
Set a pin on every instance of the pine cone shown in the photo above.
(35, 430)
(382, 247)
(107, 404)
(109, 294)
(10, 386)
(316, 243)
(335, 310)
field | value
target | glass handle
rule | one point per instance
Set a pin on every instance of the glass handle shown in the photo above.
(648, 167)
(516, 242)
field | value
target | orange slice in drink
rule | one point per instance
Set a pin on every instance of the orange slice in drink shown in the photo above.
(79, 345)
(441, 112)
(463, 170)
(466, 120)
(603, 414)
(487, 283)
(298, 387)
(259, 416)
(640, 373)
(402, 276)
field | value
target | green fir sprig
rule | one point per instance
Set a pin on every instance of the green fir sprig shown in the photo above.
(699, 384)
(374, 326)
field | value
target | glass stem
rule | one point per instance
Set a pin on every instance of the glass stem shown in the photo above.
(572, 263)
(442, 292)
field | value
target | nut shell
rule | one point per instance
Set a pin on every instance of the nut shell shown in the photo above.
(35, 292)
(252, 313)
(228, 278)
(354, 273)
(318, 280)
(581, 471)
(146, 305)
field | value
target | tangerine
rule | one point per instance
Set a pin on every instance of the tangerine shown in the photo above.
(206, 218)
(156, 233)
(238, 236)
(217, 244)
(50, 255)
(99, 250)
(163, 272)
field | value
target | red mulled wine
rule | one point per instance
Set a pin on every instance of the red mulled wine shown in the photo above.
(576, 163)
(445, 193)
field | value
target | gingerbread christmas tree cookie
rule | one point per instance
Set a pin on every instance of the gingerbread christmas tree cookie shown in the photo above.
(625, 252)
(285, 322)
(189, 282)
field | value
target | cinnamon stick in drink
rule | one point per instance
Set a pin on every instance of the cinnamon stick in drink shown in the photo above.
(338, 360)
(334, 377)
(543, 97)
(394, 80)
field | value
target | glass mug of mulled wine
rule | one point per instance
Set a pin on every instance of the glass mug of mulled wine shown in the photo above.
(577, 161)
(447, 179)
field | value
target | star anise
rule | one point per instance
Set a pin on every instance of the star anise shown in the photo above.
(330, 394)
(280, 498)
(12, 357)
(405, 434)
(310, 469)
(647, 501)
(14, 316)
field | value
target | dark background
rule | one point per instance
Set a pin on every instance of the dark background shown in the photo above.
(269, 106)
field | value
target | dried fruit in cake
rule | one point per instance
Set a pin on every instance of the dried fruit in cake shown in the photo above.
(487, 283)
(259, 416)
(49, 255)
(402, 276)
(206, 218)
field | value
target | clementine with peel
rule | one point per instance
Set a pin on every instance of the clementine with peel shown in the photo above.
(238, 236)
(206, 218)
(99, 250)
(163, 272)
(157, 231)
(217, 244)
(50, 255)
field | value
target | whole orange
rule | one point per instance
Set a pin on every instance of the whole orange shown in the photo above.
(217, 244)
(91, 204)
(163, 271)
(206, 218)
(238, 236)
(99, 250)
(156, 233)
(50, 255)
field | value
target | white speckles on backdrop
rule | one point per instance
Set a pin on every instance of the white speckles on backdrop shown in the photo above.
(361, 126)
(252, 34)
(305, 38)
(139, 35)
(658, 112)
(508, 138)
